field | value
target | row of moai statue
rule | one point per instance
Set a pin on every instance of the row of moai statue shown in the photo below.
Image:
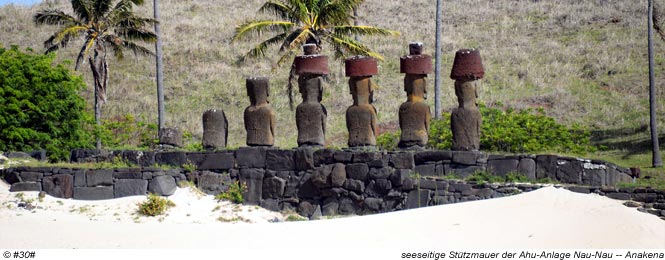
(361, 116)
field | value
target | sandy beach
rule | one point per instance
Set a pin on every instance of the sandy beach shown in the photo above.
(545, 218)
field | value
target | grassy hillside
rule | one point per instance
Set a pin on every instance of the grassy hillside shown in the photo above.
(582, 61)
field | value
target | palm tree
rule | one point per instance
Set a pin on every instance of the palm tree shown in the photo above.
(653, 22)
(309, 21)
(105, 28)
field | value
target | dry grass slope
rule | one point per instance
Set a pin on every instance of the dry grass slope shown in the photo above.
(583, 61)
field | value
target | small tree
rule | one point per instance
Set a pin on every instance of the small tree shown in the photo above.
(105, 28)
(40, 104)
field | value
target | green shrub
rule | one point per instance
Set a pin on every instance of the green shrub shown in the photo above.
(39, 105)
(127, 131)
(155, 205)
(515, 131)
(234, 193)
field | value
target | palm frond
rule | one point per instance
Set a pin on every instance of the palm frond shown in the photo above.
(54, 17)
(101, 7)
(657, 21)
(82, 9)
(363, 30)
(84, 51)
(300, 39)
(137, 49)
(260, 49)
(136, 34)
(348, 46)
(260, 26)
(279, 9)
(62, 37)
(334, 13)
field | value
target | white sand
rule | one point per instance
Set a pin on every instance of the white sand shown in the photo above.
(546, 218)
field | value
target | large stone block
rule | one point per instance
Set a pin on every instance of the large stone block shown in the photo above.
(380, 173)
(171, 158)
(162, 185)
(347, 206)
(354, 185)
(130, 187)
(12, 177)
(432, 156)
(465, 157)
(59, 186)
(594, 177)
(171, 136)
(338, 175)
(402, 160)
(527, 167)
(357, 171)
(304, 158)
(128, 173)
(399, 177)
(546, 166)
(99, 178)
(218, 161)
(253, 179)
(307, 190)
(140, 158)
(330, 207)
(426, 170)
(26, 186)
(213, 183)
(462, 171)
(251, 157)
(502, 167)
(93, 193)
(273, 188)
(366, 157)
(378, 188)
(322, 156)
(79, 178)
(31, 176)
(418, 198)
(280, 160)
(570, 171)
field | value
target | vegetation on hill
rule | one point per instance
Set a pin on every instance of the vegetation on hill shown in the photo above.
(40, 104)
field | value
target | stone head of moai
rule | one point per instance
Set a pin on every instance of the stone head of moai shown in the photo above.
(414, 114)
(259, 117)
(311, 114)
(215, 129)
(416, 66)
(361, 118)
(466, 120)
(258, 90)
(310, 68)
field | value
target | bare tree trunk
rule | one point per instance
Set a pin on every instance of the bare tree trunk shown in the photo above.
(159, 70)
(437, 66)
(355, 21)
(96, 78)
(656, 159)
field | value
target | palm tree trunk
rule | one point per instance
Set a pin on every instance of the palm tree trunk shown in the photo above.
(159, 70)
(355, 21)
(96, 78)
(437, 66)
(656, 159)
(98, 121)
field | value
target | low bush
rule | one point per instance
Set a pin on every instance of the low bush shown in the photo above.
(155, 205)
(234, 193)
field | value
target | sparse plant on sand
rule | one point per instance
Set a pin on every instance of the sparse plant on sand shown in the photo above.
(155, 205)
(234, 193)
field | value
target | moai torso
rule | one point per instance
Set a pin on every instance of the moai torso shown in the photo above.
(466, 120)
(259, 117)
(215, 129)
(361, 119)
(311, 114)
(414, 114)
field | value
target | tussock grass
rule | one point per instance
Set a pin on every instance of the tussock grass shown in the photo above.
(583, 61)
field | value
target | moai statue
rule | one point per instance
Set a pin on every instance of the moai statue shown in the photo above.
(465, 120)
(311, 114)
(361, 120)
(259, 116)
(414, 114)
(215, 129)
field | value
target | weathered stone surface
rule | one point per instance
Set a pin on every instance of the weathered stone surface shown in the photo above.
(215, 129)
(307, 189)
(270, 204)
(321, 177)
(379, 163)
(402, 160)
(374, 204)
(273, 188)
(618, 195)
(162, 185)
(594, 177)
(414, 114)
(17, 155)
(432, 156)
(88, 155)
(378, 188)
(465, 157)
(322, 156)
(251, 157)
(527, 167)
(399, 177)
(171, 158)
(31, 176)
(79, 178)
(569, 171)
(253, 179)
(130, 187)
(311, 114)
(502, 167)
(170, 136)
(280, 160)
(304, 158)
(347, 206)
(380, 173)
(583, 190)
(99, 178)
(93, 193)
(418, 198)
(213, 183)
(426, 170)
(12, 177)
(354, 185)
(462, 171)
(218, 161)
(128, 173)
(26, 186)
(361, 118)
(338, 175)
(259, 117)
(645, 197)
(357, 171)
(546, 166)
(467, 65)
(465, 120)
(59, 186)
(307, 208)
(140, 158)
(330, 207)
